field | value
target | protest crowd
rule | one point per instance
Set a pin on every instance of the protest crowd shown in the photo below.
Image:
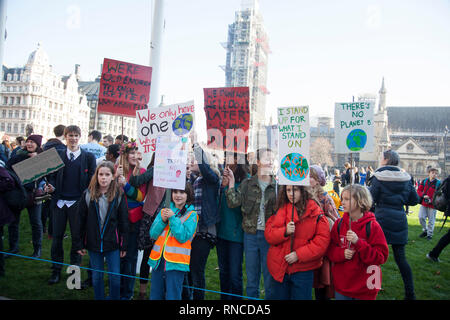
(303, 241)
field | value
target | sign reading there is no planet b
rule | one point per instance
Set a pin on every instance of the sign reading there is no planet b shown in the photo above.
(293, 145)
(354, 127)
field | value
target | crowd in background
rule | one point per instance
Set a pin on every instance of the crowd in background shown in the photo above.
(300, 240)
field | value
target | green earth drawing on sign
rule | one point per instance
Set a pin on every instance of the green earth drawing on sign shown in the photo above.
(356, 140)
(183, 124)
(294, 167)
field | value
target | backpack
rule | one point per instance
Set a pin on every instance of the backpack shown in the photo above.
(368, 226)
(17, 198)
(337, 202)
(440, 201)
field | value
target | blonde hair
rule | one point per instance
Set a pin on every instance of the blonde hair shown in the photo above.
(361, 195)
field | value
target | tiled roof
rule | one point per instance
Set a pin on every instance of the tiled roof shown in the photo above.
(421, 119)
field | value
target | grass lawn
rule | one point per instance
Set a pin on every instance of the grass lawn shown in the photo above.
(27, 278)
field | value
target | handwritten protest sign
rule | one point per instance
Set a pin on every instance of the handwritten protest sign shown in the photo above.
(38, 166)
(124, 88)
(354, 127)
(227, 118)
(175, 120)
(293, 145)
(170, 162)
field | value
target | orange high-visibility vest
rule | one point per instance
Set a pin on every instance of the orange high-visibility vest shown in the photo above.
(174, 251)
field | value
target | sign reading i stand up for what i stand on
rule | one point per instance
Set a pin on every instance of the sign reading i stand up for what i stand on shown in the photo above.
(293, 145)
(354, 127)
(124, 88)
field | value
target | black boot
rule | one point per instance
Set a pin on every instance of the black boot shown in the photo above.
(36, 252)
(55, 277)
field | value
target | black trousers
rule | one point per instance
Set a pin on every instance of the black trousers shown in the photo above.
(199, 256)
(405, 270)
(2, 257)
(443, 242)
(60, 218)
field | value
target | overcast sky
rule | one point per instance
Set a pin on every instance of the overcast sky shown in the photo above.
(323, 51)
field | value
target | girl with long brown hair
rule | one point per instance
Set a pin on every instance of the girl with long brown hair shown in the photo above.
(135, 196)
(298, 235)
(103, 228)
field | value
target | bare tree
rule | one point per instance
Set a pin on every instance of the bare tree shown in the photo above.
(320, 152)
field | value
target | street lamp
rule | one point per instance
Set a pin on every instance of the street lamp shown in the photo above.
(445, 153)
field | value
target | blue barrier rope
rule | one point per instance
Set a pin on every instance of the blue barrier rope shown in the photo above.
(123, 275)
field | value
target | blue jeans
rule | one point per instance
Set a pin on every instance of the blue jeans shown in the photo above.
(97, 263)
(339, 296)
(128, 264)
(166, 285)
(230, 256)
(255, 249)
(296, 286)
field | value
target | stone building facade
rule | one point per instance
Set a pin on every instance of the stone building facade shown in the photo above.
(36, 98)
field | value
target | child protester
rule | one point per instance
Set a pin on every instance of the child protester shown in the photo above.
(173, 228)
(357, 249)
(298, 238)
(103, 229)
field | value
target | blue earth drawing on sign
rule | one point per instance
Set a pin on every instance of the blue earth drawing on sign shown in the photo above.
(182, 124)
(356, 140)
(294, 167)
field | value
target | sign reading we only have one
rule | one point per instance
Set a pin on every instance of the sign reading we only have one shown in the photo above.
(124, 88)
(293, 145)
(354, 127)
(227, 118)
(173, 120)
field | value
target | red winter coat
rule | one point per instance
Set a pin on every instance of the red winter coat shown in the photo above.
(311, 239)
(351, 277)
(428, 188)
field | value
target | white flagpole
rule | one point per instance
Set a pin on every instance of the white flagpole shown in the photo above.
(156, 44)
(3, 5)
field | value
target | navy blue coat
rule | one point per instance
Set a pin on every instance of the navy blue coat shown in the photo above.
(391, 190)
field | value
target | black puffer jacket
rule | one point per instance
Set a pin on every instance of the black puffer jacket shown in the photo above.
(392, 189)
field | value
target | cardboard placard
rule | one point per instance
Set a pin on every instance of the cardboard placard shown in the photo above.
(124, 88)
(175, 120)
(293, 145)
(354, 127)
(170, 162)
(227, 118)
(38, 166)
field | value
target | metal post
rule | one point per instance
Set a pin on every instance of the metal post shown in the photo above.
(445, 152)
(158, 25)
(3, 6)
